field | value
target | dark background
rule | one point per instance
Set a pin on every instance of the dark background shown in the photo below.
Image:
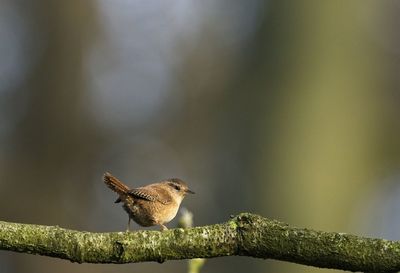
(285, 109)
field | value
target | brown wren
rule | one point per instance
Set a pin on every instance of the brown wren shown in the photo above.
(154, 204)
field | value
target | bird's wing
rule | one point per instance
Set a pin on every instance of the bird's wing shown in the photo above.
(143, 194)
(150, 194)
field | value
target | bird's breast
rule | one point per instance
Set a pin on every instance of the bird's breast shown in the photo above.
(148, 213)
(169, 212)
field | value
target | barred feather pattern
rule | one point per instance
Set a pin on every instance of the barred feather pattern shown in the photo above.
(115, 184)
(141, 194)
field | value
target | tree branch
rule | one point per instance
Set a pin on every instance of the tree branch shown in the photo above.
(244, 235)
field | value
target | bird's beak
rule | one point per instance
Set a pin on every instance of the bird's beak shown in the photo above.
(189, 191)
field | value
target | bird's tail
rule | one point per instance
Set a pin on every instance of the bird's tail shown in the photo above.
(115, 184)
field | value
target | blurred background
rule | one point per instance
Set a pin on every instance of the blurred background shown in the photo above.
(282, 108)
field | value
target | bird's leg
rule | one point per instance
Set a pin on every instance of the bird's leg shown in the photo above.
(129, 223)
(163, 227)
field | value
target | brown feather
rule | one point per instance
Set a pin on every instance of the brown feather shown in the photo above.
(115, 184)
(143, 194)
(151, 193)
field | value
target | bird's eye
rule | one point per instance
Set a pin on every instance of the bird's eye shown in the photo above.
(176, 187)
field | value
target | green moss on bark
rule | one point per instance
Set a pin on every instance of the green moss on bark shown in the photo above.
(245, 235)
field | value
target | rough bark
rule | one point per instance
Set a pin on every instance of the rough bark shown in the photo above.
(244, 235)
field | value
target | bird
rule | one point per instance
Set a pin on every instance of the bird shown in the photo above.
(154, 204)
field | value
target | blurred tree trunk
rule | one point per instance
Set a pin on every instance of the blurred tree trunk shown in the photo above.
(55, 140)
(320, 133)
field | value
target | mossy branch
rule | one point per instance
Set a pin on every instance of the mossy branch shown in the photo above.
(243, 235)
